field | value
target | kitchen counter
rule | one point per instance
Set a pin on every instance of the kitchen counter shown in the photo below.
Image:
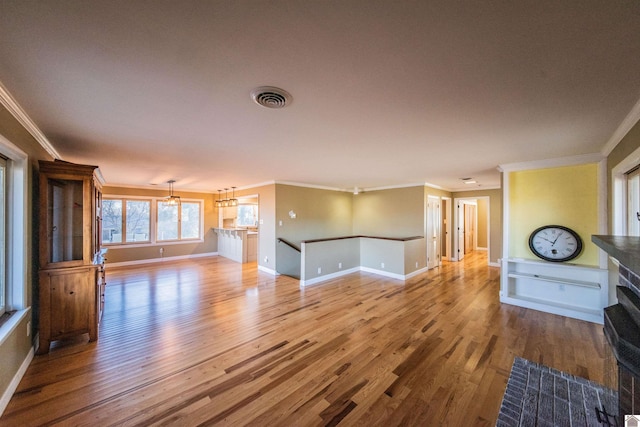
(237, 244)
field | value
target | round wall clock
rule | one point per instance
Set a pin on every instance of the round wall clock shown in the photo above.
(555, 243)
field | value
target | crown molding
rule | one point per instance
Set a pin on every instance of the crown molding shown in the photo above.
(437, 187)
(260, 184)
(391, 187)
(10, 103)
(318, 187)
(552, 163)
(158, 188)
(476, 189)
(625, 126)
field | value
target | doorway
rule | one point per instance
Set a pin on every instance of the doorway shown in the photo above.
(445, 220)
(471, 227)
(433, 232)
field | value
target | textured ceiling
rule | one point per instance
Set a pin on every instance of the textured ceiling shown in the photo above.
(385, 93)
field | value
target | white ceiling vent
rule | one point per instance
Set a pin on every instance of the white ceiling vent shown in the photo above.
(271, 97)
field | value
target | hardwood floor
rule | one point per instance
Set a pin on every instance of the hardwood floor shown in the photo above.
(210, 341)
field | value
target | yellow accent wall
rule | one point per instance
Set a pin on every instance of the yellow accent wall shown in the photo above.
(560, 196)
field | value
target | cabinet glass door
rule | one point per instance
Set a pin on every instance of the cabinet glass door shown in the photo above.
(65, 217)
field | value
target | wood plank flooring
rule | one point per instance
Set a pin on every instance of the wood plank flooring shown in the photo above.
(213, 342)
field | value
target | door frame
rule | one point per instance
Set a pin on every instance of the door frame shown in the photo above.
(446, 253)
(456, 237)
(438, 231)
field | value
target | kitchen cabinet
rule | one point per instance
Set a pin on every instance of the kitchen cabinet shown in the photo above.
(230, 212)
(252, 247)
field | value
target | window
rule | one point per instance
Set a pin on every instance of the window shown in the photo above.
(135, 221)
(132, 216)
(247, 215)
(3, 240)
(111, 221)
(633, 202)
(138, 220)
(179, 222)
(14, 215)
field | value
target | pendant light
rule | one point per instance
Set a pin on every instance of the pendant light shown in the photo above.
(219, 201)
(233, 201)
(172, 200)
(225, 201)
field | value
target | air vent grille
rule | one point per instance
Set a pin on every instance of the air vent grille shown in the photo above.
(271, 97)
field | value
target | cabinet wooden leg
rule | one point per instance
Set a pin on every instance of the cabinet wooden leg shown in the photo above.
(43, 347)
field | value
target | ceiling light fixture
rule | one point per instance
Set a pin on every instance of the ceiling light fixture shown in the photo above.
(271, 97)
(233, 201)
(219, 201)
(226, 202)
(172, 200)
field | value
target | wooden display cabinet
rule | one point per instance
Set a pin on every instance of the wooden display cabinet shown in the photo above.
(71, 273)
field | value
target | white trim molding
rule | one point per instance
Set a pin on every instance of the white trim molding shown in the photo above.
(581, 159)
(337, 274)
(156, 260)
(13, 385)
(625, 126)
(8, 329)
(10, 103)
(268, 270)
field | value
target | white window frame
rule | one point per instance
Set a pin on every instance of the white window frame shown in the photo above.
(16, 232)
(124, 201)
(619, 199)
(257, 216)
(153, 241)
(3, 229)
(180, 239)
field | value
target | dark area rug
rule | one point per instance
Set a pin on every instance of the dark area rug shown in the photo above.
(537, 395)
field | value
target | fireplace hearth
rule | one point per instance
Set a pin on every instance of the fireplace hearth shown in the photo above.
(622, 330)
(622, 323)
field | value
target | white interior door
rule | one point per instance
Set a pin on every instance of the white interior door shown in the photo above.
(445, 229)
(461, 231)
(433, 232)
(470, 216)
(633, 203)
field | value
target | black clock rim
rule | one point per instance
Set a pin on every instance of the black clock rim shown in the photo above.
(563, 259)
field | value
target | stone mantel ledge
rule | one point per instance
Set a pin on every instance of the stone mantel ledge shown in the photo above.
(626, 249)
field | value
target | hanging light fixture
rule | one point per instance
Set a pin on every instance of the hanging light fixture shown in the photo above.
(172, 199)
(233, 201)
(225, 201)
(219, 201)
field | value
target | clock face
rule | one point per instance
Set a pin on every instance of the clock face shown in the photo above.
(555, 243)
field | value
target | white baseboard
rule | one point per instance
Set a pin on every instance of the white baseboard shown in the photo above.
(268, 270)
(366, 270)
(415, 273)
(494, 264)
(328, 276)
(481, 249)
(163, 259)
(383, 273)
(13, 385)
